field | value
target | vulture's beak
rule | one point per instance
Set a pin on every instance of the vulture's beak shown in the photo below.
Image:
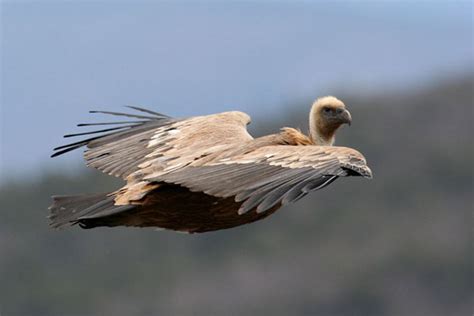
(346, 117)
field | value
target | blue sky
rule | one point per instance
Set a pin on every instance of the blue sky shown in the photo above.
(61, 59)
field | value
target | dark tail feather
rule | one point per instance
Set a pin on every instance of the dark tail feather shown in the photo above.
(70, 210)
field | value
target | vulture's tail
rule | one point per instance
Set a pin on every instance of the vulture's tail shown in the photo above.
(68, 210)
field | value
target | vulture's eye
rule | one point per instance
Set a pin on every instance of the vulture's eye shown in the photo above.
(326, 110)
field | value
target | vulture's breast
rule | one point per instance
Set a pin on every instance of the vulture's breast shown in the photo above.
(176, 208)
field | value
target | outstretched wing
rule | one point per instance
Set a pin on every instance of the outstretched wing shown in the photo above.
(157, 140)
(269, 175)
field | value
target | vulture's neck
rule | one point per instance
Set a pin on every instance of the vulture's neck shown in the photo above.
(320, 132)
(294, 137)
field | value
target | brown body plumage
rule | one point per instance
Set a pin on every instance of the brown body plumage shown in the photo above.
(207, 173)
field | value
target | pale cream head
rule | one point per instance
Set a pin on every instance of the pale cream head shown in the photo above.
(326, 116)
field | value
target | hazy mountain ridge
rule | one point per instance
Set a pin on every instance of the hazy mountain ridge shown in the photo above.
(395, 245)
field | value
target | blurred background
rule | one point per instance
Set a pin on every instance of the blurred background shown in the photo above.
(396, 245)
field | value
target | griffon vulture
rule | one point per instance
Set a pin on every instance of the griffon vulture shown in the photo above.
(205, 173)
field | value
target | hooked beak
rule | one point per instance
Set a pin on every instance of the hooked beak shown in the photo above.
(346, 117)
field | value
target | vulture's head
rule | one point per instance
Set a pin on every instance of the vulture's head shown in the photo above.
(326, 116)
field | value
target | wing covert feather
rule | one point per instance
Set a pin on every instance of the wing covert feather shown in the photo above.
(269, 175)
(158, 142)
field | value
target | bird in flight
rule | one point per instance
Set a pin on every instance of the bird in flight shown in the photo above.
(204, 173)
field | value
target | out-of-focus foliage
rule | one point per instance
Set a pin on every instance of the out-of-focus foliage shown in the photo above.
(395, 245)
